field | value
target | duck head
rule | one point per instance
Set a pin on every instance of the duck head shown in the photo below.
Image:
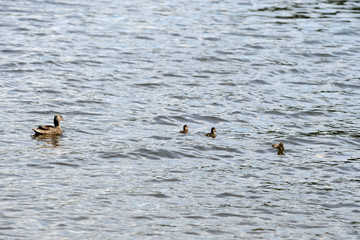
(57, 120)
(213, 130)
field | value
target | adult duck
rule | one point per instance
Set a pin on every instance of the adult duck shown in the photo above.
(50, 130)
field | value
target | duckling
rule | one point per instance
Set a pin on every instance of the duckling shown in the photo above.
(185, 130)
(50, 130)
(212, 133)
(280, 148)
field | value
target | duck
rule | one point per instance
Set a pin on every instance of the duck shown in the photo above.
(48, 129)
(212, 133)
(280, 148)
(185, 130)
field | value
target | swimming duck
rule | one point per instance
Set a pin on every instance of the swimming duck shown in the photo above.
(185, 130)
(280, 148)
(50, 130)
(212, 133)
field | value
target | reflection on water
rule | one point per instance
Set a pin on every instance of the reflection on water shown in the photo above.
(49, 140)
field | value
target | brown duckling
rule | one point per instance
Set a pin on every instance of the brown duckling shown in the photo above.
(185, 130)
(212, 133)
(50, 130)
(280, 148)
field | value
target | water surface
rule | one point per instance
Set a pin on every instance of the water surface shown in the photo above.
(127, 75)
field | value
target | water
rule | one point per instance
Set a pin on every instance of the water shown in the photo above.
(127, 75)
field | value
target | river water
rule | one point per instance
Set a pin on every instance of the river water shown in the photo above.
(127, 75)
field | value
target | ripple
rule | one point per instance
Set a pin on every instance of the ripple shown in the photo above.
(210, 119)
(230, 215)
(164, 121)
(172, 75)
(157, 195)
(342, 85)
(151, 85)
(111, 155)
(64, 164)
(154, 154)
(226, 194)
(165, 180)
(210, 59)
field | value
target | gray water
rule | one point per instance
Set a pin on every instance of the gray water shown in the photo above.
(127, 75)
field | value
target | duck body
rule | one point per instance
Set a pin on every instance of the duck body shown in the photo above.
(50, 130)
(212, 133)
(280, 148)
(185, 130)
